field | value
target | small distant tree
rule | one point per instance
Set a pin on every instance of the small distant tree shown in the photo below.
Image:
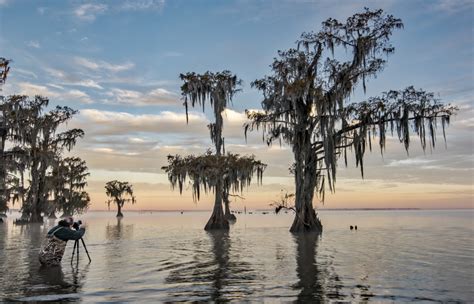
(119, 193)
(217, 172)
(304, 105)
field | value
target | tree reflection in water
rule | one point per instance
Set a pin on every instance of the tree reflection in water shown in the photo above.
(317, 283)
(219, 276)
(119, 231)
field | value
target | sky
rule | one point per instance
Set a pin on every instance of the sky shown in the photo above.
(118, 62)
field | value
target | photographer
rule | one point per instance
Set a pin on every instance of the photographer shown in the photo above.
(53, 246)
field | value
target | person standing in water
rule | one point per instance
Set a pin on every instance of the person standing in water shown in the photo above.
(52, 249)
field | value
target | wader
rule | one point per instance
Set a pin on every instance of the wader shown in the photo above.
(52, 249)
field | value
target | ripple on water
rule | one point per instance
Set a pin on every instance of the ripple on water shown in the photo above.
(393, 257)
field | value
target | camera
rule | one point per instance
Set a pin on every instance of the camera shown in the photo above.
(77, 224)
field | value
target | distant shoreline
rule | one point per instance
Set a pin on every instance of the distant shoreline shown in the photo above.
(270, 210)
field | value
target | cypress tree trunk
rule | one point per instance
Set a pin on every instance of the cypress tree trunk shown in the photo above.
(33, 210)
(119, 210)
(217, 220)
(305, 179)
(306, 220)
(3, 174)
(228, 215)
(36, 216)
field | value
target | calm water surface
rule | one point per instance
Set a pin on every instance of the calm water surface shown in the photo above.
(402, 256)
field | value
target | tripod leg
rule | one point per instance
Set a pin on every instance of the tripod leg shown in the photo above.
(84, 244)
(74, 250)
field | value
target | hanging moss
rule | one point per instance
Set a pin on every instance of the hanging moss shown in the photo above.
(219, 172)
(204, 172)
(305, 104)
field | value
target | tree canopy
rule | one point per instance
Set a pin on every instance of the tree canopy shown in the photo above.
(31, 142)
(204, 172)
(119, 193)
(305, 103)
(68, 180)
(219, 172)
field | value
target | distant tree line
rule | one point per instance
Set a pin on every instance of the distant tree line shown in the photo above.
(33, 169)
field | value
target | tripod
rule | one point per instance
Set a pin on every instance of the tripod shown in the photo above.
(76, 249)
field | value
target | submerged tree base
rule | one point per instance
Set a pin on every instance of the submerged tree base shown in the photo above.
(22, 221)
(306, 222)
(231, 217)
(35, 219)
(217, 221)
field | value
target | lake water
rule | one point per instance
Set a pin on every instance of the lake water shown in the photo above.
(412, 256)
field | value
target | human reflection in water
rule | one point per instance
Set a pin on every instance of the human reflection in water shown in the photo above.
(51, 284)
(229, 279)
(23, 277)
(316, 282)
(54, 276)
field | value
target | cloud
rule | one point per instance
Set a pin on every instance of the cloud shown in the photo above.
(116, 123)
(154, 97)
(450, 6)
(57, 86)
(66, 78)
(33, 43)
(467, 123)
(142, 5)
(78, 95)
(31, 89)
(102, 65)
(89, 11)
(26, 73)
(409, 162)
(89, 83)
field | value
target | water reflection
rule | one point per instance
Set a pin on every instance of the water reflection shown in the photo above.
(119, 231)
(316, 281)
(29, 280)
(216, 276)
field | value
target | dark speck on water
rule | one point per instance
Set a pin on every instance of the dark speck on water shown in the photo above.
(399, 256)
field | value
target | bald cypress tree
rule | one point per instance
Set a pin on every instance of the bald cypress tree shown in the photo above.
(119, 194)
(5, 178)
(218, 172)
(306, 105)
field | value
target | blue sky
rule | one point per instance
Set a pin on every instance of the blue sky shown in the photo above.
(119, 61)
